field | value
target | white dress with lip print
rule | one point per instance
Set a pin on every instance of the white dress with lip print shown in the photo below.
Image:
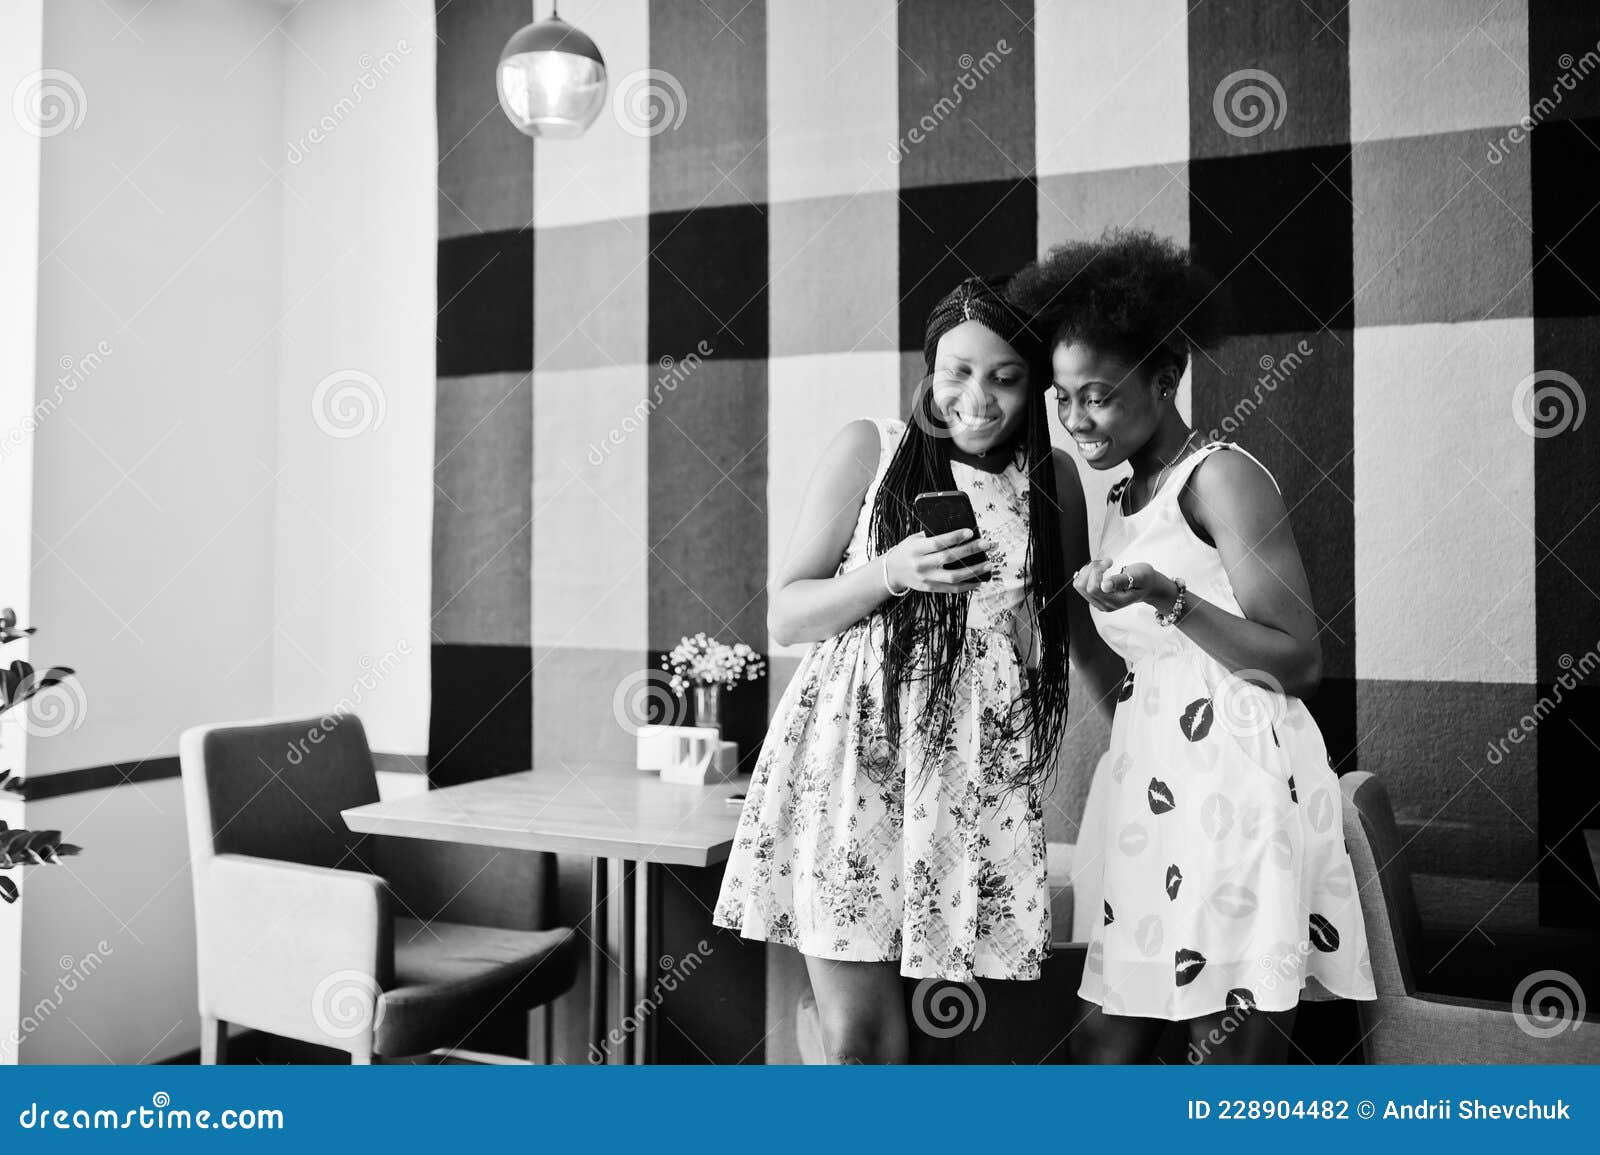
(1225, 880)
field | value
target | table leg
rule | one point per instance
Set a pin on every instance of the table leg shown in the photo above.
(649, 879)
(599, 921)
(628, 962)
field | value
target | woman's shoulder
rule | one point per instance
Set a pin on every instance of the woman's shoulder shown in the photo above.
(858, 448)
(868, 437)
(1228, 484)
(1223, 464)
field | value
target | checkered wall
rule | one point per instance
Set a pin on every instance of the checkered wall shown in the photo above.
(626, 430)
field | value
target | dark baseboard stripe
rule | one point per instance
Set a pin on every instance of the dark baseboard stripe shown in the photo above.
(401, 763)
(42, 786)
(59, 785)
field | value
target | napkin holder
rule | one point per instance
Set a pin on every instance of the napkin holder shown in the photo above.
(660, 747)
(722, 765)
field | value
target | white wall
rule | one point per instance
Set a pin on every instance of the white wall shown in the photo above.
(159, 240)
(354, 506)
(153, 485)
(205, 549)
(20, 49)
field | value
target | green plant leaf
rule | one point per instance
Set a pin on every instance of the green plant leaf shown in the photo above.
(21, 682)
(41, 845)
(13, 843)
(8, 890)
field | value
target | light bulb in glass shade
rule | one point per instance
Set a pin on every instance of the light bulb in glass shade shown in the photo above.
(551, 79)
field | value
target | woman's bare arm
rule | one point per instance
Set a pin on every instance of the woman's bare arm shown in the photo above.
(809, 600)
(1240, 508)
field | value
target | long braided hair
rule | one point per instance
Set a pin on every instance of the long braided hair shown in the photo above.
(924, 633)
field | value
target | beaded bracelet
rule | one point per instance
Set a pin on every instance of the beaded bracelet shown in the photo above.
(1179, 606)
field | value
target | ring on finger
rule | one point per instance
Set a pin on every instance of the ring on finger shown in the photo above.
(1126, 576)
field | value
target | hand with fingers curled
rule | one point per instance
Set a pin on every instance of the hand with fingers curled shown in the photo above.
(919, 563)
(1111, 589)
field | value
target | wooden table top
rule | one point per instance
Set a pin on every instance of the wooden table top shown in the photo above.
(598, 809)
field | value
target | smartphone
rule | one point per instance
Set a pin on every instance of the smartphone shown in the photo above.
(944, 510)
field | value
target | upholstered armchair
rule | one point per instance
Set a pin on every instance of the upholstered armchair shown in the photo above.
(373, 946)
(1410, 1025)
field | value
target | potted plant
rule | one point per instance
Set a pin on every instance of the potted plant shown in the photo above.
(19, 682)
(708, 667)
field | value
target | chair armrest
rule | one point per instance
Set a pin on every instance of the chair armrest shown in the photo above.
(476, 885)
(296, 950)
(1447, 1029)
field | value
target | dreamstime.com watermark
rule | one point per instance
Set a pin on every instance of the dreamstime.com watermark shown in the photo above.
(1547, 403)
(346, 1004)
(648, 102)
(646, 698)
(1496, 751)
(372, 675)
(943, 1009)
(674, 372)
(372, 73)
(348, 403)
(1249, 102)
(51, 710)
(677, 970)
(77, 971)
(49, 102)
(74, 372)
(1548, 1003)
(160, 1115)
(1572, 71)
(972, 71)
(1274, 372)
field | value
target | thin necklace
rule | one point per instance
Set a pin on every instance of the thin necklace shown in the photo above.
(1161, 476)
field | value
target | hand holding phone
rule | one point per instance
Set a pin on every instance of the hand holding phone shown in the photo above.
(949, 561)
(943, 510)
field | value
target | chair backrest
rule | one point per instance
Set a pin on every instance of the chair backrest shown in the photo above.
(1388, 904)
(274, 789)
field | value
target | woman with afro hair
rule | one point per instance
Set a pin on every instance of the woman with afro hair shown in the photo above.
(894, 825)
(1227, 892)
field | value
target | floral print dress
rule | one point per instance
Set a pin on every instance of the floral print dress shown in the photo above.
(1214, 818)
(845, 849)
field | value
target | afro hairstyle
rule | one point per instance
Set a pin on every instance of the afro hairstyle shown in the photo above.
(1131, 293)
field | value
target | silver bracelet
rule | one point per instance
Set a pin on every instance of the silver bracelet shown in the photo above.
(886, 583)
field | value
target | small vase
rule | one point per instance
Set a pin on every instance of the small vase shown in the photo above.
(708, 705)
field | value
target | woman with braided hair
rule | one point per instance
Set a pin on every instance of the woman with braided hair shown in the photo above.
(894, 824)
